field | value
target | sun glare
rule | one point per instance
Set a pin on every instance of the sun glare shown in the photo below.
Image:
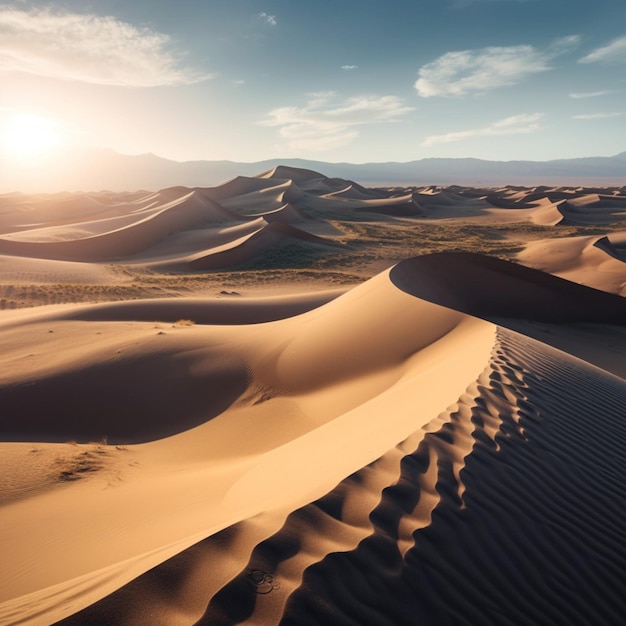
(27, 136)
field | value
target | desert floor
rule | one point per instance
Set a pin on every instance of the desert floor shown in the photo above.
(293, 399)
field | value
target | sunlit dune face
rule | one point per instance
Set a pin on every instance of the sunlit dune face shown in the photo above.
(27, 137)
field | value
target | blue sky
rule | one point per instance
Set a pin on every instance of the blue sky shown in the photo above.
(341, 80)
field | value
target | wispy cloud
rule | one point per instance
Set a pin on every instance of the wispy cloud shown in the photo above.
(349, 67)
(563, 44)
(590, 94)
(325, 122)
(269, 19)
(613, 52)
(514, 125)
(476, 71)
(88, 48)
(467, 71)
(598, 116)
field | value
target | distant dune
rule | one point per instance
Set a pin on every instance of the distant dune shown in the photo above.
(438, 440)
(226, 225)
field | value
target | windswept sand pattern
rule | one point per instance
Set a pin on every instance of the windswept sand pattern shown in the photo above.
(507, 543)
(506, 509)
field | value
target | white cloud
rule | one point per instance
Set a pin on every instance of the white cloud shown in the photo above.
(564, 44)
(613, 52)
(467, 71)
(325, 123)
(589, 94)
(349, 67)
(270, 19)
(88, 48)
(514, 125)
(597, 116)
(462, 72)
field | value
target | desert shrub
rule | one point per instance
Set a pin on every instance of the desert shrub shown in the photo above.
(184, 322)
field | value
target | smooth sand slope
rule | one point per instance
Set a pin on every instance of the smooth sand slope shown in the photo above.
(442, 443)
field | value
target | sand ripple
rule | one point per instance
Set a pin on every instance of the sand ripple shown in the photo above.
(506, 511)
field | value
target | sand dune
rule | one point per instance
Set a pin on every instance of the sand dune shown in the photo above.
(441, 198)
(571, 212)
(272, 237)
(405, 206)
(576, 208)
(441, 443)
(269, 198)
(65, 206)
(177, 248)
(353, 191)
(219, 228)
(488, 287)
(287, 213)
(296, 174)
(593, 261)
(20, 270)
(20, 212)
(101, 243)
(425, 476)
(298, 375)
(253, 190)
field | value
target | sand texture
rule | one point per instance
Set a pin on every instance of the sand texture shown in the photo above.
(292, 399)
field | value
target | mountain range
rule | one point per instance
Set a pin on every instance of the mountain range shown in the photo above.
(105, 169)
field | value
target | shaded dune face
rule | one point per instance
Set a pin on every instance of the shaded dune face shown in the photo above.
(222, 312)
(614, 250)
(268, 238)
(151, 385)
(478, 521)
(489, 288)
(127, 400)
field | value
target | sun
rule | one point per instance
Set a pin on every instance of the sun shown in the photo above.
(26, 136)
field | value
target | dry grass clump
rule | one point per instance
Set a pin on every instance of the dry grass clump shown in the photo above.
(366, 245)
(86, 460)
(183, 322)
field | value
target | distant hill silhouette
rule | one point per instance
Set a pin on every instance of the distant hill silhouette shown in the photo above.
(104, 169)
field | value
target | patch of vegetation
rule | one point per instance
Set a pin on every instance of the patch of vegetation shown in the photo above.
(183, 322)
(367, 246)
(84, 461)
(290, 255)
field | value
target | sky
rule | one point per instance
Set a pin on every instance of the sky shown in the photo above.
(332, 80)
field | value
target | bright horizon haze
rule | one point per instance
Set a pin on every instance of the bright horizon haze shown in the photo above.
(355, 81)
